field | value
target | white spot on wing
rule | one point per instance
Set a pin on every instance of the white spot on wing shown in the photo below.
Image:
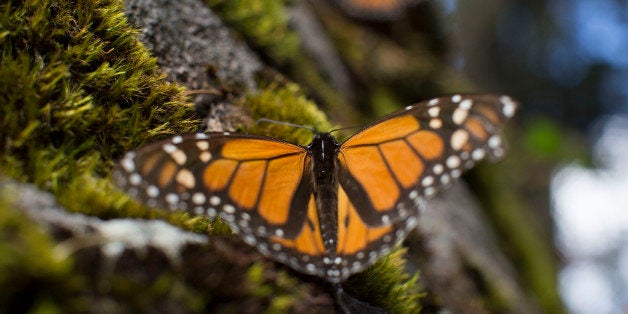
(509, 106)
(411, 222)
(438, 169)
(172, 198)
(245, 216)
(494, 142)
(179, 157)
(459, 138)
(152, 191)
(413, 194)
(128, 163)
(211, 212)
(436, 123)
(453, 162)
(169, 148)
(229, 209)
(466, 104)
(198, 198)
(433, 112)
(186, 178)
(214, 200)
(427, 181)
(429, 191)
(205, 156)
(460, 115)
(135, 179)
(477, 154)
(202, 145)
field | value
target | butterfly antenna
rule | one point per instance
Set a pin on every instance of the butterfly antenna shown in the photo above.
(260, 120)
(345, 128)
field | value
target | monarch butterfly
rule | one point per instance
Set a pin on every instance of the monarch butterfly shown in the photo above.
(375, 9)
(325, 209)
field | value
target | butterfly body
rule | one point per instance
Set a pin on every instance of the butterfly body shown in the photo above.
(323, 151)
(328, 209)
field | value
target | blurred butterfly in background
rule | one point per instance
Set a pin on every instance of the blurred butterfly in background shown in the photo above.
(375, 9)
(325, 209)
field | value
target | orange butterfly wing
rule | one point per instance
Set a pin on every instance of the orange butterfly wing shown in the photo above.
(257, 184)
(388, 169)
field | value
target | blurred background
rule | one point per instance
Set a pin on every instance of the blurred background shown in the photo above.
(567, 62)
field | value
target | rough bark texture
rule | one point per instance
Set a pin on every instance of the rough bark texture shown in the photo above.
(461, 263)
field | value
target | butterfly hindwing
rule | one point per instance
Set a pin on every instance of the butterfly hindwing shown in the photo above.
(361, 244)
(391, 166)
(257, 184)
(305, 251)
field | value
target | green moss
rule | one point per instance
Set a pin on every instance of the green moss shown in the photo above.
(33, 275)
(286, 104)
(167, 290)
(385, 284)
(265, 24)
(78, 90)
(282, 293)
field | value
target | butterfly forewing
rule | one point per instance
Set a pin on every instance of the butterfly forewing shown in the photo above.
(257, 184)
(391, 166)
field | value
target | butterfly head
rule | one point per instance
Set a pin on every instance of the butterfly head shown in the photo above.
(325, 137)
(323, 145)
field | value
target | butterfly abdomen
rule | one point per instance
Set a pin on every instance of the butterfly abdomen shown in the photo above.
(323, 150)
